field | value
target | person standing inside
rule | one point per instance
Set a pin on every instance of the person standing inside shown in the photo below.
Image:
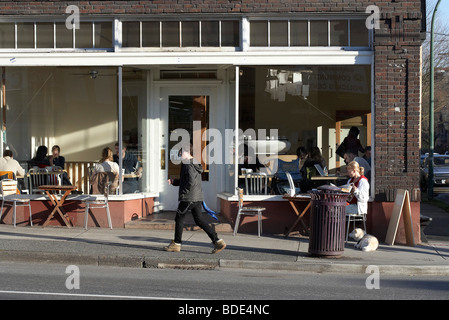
(130, 164)
(190, 197)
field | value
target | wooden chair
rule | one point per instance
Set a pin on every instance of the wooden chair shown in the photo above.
(252, 211)
(9, 195)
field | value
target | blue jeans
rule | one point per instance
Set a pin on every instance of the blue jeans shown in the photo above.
(195, 207)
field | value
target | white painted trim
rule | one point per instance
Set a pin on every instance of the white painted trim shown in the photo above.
(302, 57)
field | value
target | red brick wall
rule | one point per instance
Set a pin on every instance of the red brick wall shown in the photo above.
(387, 7)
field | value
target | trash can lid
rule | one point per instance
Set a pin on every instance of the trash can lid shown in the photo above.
(328, 187)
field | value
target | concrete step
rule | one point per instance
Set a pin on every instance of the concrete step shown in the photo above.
(165, 220)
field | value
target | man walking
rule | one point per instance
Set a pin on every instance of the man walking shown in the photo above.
(191, 198)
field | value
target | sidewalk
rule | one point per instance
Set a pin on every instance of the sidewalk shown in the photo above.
(144, 248)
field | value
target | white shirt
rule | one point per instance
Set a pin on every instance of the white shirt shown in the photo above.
(107, 166)
(362, 196)
(10, 164)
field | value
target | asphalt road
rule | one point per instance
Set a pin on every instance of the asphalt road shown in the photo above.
(44, 281)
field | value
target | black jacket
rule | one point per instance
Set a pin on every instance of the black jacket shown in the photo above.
(190, 183)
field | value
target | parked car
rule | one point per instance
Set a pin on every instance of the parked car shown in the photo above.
(440, 173)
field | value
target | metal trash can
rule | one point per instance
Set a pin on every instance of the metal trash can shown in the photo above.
(327, 221)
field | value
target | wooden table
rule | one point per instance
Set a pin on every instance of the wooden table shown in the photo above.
(329, 178)
(57, 203)
(293, 201)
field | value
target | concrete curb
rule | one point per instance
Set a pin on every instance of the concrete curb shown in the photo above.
(336, 267)
(211, 264)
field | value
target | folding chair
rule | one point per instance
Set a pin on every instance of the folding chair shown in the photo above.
(354, 217)
(102, 183)
(9, 195)
(256, 183)
(252, 211)
(37, 177)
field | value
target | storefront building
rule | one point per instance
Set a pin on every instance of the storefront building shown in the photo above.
(86, 74)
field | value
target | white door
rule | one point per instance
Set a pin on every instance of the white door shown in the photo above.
(183, 110)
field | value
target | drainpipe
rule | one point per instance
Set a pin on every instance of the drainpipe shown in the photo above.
(431, 106)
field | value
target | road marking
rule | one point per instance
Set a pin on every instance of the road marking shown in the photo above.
(107, 296)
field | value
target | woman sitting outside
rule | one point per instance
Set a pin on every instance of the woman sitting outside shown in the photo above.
(360, 189)
(105, 165)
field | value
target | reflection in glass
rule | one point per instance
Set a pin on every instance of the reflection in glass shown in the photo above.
(151, 34)
(359, 33)
(64, 36)
(190, 33)
(131, 34)
(299, 33)
(103, 34)
(25, 35)
(170, 34)
(259, 33)
(83, 35)
(318, 33)
(7, 35)
(279, 33)
(339, 33)
(209, 34)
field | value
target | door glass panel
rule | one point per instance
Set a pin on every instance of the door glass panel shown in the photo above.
(183, 111)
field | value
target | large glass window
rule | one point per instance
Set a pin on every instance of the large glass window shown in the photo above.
(283, 111)
(44, 109)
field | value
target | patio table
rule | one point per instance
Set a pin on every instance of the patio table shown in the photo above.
(57, 203)
(293, 200)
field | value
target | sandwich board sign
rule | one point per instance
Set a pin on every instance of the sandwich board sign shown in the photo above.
(401, 207)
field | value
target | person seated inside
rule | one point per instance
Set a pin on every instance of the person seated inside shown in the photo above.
(130, 164)
(247, 160)
(358, 202)
(308, 170)
(40, 159)
(7, 163)
(59, 161)
(280, 183)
